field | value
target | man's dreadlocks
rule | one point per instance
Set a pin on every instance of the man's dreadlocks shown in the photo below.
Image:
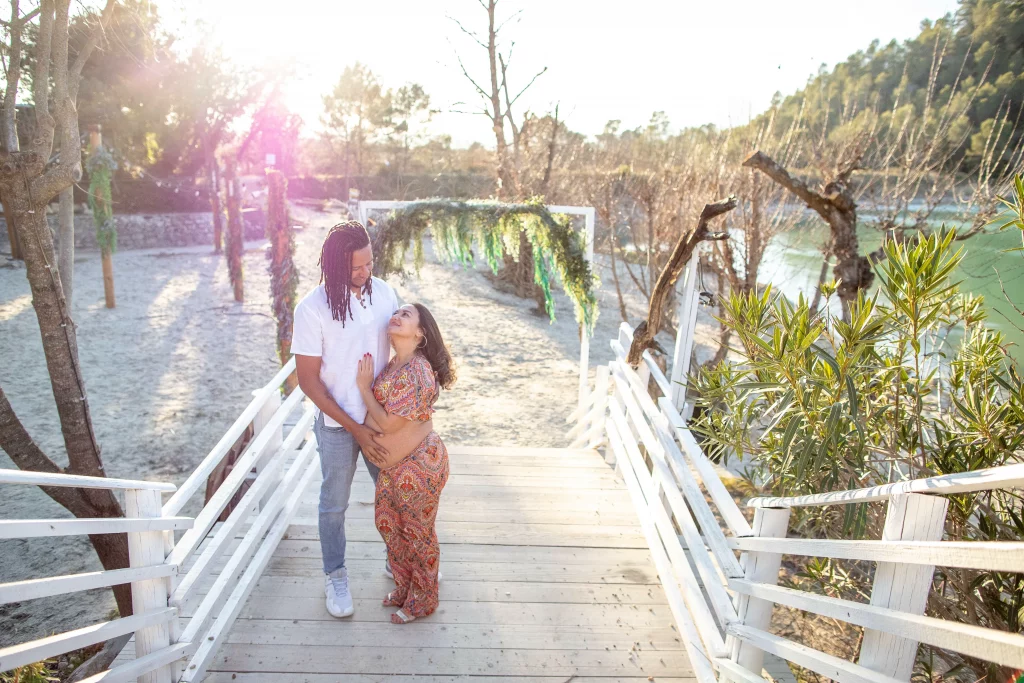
(336, 267)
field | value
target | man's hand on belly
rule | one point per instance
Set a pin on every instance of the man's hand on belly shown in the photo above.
(366, 437)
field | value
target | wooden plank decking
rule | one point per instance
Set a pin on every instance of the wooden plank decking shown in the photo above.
(547, 577)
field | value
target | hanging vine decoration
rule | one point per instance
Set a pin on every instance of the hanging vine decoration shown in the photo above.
(494, 227)
(101, 166)
(284, 276)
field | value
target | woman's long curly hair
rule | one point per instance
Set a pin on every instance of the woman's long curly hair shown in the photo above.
(336, 267)
(434, 349)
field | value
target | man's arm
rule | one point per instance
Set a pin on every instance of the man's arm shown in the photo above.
(307, 368)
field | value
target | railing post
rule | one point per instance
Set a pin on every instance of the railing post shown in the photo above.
(759, 567)
(687, 313)
(146, 549)
(600, 414)
(904, 587)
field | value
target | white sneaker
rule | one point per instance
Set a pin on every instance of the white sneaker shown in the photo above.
(339, 599)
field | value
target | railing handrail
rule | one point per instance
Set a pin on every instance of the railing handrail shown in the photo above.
(197, 480)
(641, 415)
(1002, 477)
(63, 480)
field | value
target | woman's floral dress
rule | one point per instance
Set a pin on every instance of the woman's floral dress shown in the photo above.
(408, 493)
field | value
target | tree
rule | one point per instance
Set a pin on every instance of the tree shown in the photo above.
(408, 110)
(354, 113)
(909, 161)
(210, 94)
(29, 179)
(497, 102)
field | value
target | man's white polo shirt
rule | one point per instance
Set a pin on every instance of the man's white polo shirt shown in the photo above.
(340, 347)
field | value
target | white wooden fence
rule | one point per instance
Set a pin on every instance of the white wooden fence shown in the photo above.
(720, 571)
(170, 574)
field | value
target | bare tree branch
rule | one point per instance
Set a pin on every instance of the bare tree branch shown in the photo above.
(469, 33)
(43, 144)
(532, 80)
(10, 130)
(643, 336)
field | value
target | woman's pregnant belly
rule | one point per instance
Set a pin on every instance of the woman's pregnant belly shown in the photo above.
(402, 443)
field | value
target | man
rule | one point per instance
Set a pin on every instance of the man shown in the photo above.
(343, 318)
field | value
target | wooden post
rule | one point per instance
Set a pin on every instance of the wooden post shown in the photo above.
(106, 257)
(146, 549)
(684, 336)
(903, 587)
(584, 333)
(759, 567)
(235, 246)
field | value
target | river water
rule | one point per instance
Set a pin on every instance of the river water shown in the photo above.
(793, 261)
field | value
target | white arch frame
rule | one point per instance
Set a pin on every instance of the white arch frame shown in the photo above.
(364, 207)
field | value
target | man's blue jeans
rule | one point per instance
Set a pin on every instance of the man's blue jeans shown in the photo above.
(339, 456)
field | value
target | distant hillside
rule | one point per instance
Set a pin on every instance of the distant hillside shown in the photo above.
(975, 55)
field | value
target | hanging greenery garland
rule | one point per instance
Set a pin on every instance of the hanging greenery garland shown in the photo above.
(284, 276)
(495, 227)
(101, 166)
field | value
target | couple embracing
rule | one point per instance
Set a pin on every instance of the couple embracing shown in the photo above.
(380, 404)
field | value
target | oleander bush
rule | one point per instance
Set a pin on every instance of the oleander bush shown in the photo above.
(910, 382)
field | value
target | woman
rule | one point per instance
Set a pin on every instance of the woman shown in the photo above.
(400, 403)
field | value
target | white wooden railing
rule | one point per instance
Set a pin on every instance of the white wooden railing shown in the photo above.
(723, 602)
(171, 575)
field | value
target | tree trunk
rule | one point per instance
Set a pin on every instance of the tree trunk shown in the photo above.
(66, 232)
(12, 232)
(836, 206)
(816, 301)
(60, 347)
(215, 207)
(643, 335)
(235, 235)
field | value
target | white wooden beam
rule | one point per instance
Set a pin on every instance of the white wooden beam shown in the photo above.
(762, 568)
(39, 528)
(684, 334)
(130, 672)
(146, 549)
(991, 645)
(78, 481)
(19, 591)
(44, 648)
(999, 556)
(903, 587)
(197, 480)
(829, 666)
(1004, 477)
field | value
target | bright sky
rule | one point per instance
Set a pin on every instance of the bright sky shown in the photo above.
(699, 61)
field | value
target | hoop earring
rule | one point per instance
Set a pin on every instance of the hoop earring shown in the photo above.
(423, 345)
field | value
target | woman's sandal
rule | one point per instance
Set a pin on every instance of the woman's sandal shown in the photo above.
(391, 602)
(401, 617)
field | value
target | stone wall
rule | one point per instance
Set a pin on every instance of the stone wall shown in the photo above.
(148, 230)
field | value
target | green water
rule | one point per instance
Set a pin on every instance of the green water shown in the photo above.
(793, 261)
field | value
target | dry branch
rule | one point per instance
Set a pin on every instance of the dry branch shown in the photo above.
(643, 336)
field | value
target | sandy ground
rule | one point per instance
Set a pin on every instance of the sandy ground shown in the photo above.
(170, 368)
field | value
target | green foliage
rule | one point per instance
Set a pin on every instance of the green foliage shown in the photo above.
(456, 225)
(101, 166)
(30, 673)
(973, 60)
(1015, 208)
(821, 404)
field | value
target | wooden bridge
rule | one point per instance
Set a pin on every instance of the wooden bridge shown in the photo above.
(547, 575)
(620, 558)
